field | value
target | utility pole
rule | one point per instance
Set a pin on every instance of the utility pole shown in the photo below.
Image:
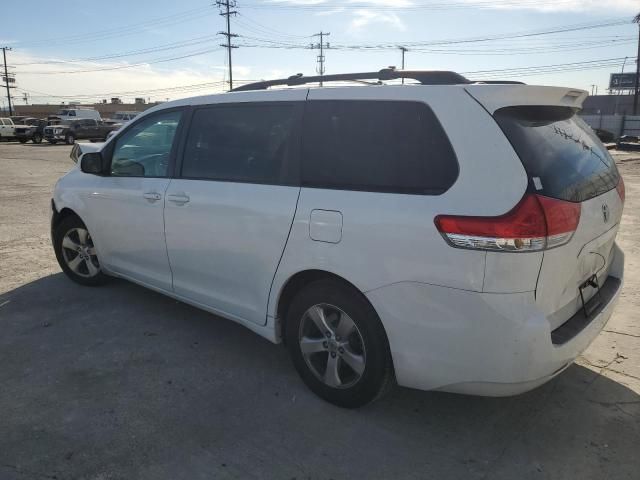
(403, 50)
(322, 45)
(635, 94)
(25, 97)
(226, 6)
(6, 78)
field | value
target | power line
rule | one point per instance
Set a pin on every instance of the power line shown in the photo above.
(121, 67)
(523, 35)
(167, 90)
(131, 29)
(545, 69)
(454, 5)
(225, 6)
(269, 30)
(159, 48)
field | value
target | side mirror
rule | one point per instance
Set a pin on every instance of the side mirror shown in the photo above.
(91, 162)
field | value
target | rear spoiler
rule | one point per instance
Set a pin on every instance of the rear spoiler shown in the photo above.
(494, 97)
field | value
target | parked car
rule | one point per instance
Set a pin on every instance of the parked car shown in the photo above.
(605, 136)
(34, 132)
(7, 129)
(71, 130)
(78, 113)
(452, 235)
(122, 117)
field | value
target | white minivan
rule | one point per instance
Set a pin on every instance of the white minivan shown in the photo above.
(445, 235)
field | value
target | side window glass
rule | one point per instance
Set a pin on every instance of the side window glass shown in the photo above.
(144, 149)
(72, 113)
(379, 145)
(242, 143)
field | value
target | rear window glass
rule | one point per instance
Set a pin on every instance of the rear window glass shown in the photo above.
(561, 154)
(379, 145)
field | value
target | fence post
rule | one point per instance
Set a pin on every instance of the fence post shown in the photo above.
(624, 120)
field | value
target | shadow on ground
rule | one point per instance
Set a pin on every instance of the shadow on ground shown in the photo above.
(119, 382)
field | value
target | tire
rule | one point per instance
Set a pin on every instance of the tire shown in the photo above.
(75, 252)
(69, 139)
(52, 142)
(37, 138)
(326, 367)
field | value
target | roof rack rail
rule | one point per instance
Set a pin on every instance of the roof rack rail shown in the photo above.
(499, 82)
(425, 77)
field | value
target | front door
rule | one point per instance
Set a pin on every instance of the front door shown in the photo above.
(127, 205)
(229, 215)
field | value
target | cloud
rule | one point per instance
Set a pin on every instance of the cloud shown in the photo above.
(383, 3)
(615, 6)
(364, 17)
(330, 12)
(47, 87)
(608, 6)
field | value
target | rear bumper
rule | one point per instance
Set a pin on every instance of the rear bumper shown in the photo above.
(480, 343)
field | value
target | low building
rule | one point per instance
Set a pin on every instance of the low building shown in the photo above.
(608, 105)
(107, 110)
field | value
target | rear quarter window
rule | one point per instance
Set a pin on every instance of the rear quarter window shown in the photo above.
(379, 146)
(561, 154)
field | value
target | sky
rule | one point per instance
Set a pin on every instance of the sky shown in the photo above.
(87, 50)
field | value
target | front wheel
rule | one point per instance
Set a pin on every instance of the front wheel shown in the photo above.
(22, 140)
(37, 138)
(76, 253)
(69, 139)
(338, 345)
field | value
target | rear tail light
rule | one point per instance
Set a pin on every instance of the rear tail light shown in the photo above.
(535, 223)
(620, 189)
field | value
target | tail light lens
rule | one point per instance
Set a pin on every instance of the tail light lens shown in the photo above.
(620, 189)
(536, 223)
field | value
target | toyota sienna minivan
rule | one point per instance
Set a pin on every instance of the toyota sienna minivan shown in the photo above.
(446, 235)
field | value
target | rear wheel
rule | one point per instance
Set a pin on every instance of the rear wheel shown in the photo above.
(23, 140)
(76, 253)
(338, 345)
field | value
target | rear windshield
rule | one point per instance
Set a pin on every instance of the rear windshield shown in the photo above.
(561, 154)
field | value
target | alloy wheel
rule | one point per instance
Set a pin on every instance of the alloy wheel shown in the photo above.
(79, 253)
(332, 346)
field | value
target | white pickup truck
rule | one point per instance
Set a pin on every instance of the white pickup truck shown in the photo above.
(7, 129)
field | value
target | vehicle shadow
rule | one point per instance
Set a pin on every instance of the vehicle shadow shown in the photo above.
(122, 382)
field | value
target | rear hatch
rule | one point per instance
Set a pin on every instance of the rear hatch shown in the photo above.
(564, 160)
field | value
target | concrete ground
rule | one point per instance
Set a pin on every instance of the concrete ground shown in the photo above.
(123, 383)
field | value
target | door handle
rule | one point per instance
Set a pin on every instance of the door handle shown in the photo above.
(178, 198)
(152, 196)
